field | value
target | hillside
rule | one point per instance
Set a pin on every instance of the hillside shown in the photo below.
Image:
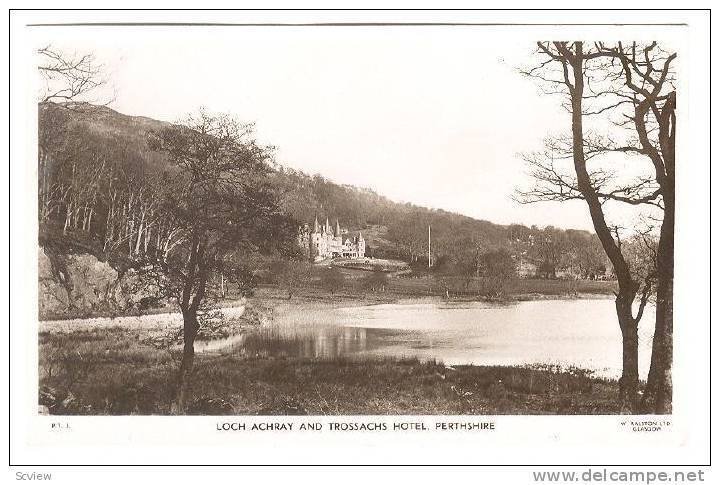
(74, 142)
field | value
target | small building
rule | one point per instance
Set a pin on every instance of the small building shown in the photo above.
(526, 269)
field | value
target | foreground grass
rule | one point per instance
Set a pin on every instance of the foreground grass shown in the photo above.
(113, 372)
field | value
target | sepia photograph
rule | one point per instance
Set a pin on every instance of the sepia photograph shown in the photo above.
(185, 266)
(372, 218)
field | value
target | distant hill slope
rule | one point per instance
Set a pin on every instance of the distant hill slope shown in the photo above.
(391, 229)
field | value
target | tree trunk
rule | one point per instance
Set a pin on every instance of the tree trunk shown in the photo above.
(630, 378)
(68, 217)
(190, 329)
(658, 393)
(627, 286)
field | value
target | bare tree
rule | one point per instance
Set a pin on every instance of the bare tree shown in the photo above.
(648, 77)
(594, 81)
(68, 77)
(68, 80)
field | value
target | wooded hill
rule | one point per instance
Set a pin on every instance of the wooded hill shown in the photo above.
(95, 163)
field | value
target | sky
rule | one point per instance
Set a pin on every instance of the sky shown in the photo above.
(436, 116)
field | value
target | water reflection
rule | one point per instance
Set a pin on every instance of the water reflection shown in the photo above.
(319, 342)
(581, 333)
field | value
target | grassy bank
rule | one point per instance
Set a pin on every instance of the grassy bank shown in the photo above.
(400, 289)
(116, 372)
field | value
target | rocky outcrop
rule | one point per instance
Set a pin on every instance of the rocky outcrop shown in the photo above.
(79, 284)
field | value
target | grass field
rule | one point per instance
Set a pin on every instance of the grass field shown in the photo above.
(463, 288)
(516, 287)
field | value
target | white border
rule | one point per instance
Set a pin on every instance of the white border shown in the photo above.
(517, 439)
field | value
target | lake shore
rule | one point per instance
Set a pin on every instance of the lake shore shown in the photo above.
(113, 373)
(302, 315)
(117, 370)
(127, 365)
(268, 295)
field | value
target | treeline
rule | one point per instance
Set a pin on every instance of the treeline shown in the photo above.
(460, 245)
(98, 176)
